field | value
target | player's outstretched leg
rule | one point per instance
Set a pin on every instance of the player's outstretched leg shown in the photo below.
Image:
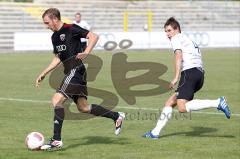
(220, 104)
(223, 106)
(162, 121)
(98, 110)
(117, 117)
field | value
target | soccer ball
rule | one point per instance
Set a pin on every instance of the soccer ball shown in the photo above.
(34, 140)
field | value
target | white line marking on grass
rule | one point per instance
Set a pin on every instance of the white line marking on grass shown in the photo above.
(25, 100)
(133, 108)
(195, 112)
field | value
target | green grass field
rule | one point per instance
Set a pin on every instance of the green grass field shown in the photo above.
(208, 134)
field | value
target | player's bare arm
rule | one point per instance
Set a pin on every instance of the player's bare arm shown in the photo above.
(178, 62)
(50, 67)
(92, 40)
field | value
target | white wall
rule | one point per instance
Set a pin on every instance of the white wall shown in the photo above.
(140, 40)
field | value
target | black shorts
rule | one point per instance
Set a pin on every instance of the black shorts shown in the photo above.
(74, 84)
(190, 82)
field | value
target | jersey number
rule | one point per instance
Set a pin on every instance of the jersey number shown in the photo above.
(196, 47)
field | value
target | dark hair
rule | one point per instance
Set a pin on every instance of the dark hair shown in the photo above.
(52, 13)
(78, 13)
(173, 23)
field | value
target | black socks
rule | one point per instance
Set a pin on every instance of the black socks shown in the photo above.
(98, 110)
(58, 121)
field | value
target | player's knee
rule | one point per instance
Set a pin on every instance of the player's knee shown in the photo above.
(56, 102)
(181, 106)
(182, 109)
(168, 103)
(83, 105)
(83, 108)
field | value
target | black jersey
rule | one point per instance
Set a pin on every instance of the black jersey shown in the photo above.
(67, 44)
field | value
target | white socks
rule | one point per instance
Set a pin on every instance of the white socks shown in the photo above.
(198, 104)
(192, 105)
(164, 117)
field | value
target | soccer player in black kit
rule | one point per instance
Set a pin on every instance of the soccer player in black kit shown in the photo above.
(68, 50)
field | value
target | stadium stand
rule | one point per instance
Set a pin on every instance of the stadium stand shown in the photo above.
(107, 15)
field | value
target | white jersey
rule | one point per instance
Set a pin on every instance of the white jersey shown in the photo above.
(85, 25)
(191, 54)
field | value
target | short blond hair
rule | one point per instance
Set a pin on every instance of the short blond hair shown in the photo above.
(52, 13)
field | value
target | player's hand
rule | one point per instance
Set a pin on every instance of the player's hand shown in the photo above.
(173, 83)
(81, 56)
(39, 79)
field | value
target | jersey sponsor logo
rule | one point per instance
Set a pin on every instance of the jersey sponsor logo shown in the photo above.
(61, 48)
(62, 37)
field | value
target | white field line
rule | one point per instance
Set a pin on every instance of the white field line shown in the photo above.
(133, 108)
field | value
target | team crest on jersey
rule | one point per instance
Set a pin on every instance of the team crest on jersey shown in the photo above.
(62, 37)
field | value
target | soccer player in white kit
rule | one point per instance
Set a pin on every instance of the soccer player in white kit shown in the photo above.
(189, 69)
(83, 24)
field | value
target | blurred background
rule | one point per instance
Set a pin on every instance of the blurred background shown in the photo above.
(20, 19)
(25, 50)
